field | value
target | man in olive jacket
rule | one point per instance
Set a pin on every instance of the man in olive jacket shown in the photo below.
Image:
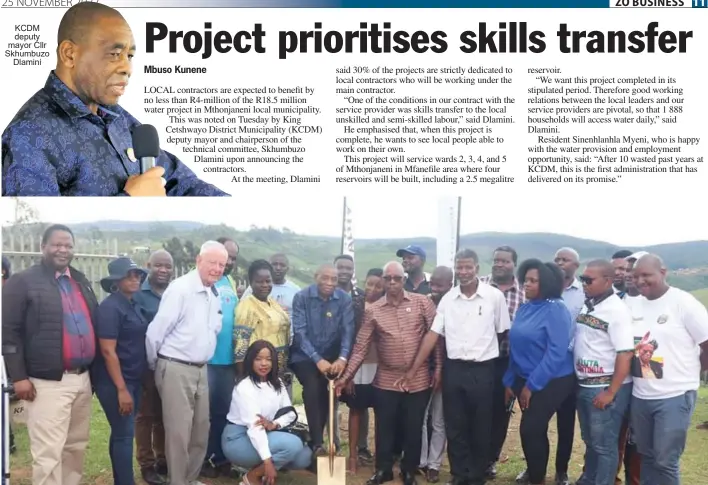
(48, 316)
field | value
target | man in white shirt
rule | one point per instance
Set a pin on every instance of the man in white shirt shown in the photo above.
(470, 317)
(671, 329)
(602, 355)
(180, 340)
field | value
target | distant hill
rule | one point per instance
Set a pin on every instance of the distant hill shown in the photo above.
(306, 253)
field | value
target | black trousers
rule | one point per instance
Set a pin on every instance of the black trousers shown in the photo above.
(392, 408)
(468, 407)
(565, 422)
(500, 415)
(315, 396)
(535, 419)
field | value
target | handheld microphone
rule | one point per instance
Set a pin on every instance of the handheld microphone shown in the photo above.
(146, 146)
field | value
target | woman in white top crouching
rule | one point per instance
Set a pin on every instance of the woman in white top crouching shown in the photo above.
(252, 439)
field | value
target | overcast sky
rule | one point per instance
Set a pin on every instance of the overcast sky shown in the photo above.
(372, 217)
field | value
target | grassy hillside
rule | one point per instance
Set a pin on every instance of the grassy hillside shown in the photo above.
(308, 252)
(702, 295)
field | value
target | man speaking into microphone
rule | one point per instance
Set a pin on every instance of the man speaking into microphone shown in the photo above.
(72, 138)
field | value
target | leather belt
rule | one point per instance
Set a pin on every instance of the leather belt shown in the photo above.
(180, 361)
(77, 371)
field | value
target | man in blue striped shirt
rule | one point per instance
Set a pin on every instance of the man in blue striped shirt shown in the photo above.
(323, 326)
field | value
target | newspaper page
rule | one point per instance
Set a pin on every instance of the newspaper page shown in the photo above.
(360, 146)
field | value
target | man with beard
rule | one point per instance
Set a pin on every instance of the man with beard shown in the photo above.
(396, 324)
(221, 369)
(620, 263)
(574, 298)
(433, 445)
(413, 260)
(675, 324)
(180, 340)
(149, 430)
(503, 278)
(323, 323)
(470, 317)
(48, 317)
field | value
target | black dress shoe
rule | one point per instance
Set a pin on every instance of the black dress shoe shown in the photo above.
(408, 478)
(151, 477)
(161, 469)
(380, 477)
(491, 472)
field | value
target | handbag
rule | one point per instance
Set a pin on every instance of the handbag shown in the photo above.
(301, 430)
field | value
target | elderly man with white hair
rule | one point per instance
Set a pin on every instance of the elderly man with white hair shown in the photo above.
(180, 341)
(396, 325)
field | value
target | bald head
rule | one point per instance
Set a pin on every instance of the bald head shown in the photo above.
(78, 21)
(597, 278)
(440, 282)
(160, 269)
(160, 254)
(326, 280)
(651, 260)
(603, 267)
(650, 276)
(95, 49)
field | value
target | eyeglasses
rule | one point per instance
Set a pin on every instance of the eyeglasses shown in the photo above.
(397, 279)
(586, 280)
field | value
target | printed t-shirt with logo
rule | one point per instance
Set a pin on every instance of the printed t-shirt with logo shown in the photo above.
(667, 335)
(600, 335)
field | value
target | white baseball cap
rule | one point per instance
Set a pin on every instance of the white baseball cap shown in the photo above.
(636, 256)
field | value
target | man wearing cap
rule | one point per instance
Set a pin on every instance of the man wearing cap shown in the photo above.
(149, 430)
(179, 342)
(48, 341)
(118, 370)
(413, 260)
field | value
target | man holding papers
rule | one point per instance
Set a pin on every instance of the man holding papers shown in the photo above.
(71, 138)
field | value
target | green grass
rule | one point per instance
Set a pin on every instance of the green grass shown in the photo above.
(97, 468)
(702, 295)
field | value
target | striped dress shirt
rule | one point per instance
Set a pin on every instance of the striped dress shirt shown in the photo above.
(397, 332)
(515, 297)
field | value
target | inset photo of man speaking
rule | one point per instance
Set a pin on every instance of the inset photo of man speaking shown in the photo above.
(72, 138)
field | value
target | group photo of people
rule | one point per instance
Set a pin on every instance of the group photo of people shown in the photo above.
(221, 374)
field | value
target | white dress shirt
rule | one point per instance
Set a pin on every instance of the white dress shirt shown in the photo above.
(470, 325)
(248, 401)
(187, 322)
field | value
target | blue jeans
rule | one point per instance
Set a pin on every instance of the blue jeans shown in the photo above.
(287, 450)
(600, 430)
(120, 444)
(659, 429)
(221, 387)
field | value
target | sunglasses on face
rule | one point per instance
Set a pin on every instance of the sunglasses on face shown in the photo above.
(397, 279)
